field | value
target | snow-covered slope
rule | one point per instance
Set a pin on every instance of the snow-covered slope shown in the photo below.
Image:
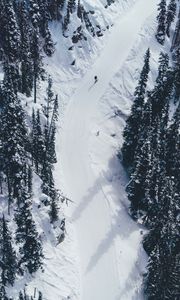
(97, 226)
(108, 241)
(102, 256)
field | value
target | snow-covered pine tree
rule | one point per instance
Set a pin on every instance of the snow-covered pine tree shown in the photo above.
(26, 65)
(80, 11)
(71, 5)
(48, 188)
(8, 263)
(177, 72)
(51, 150)
(153, 276)
(44, 27)
(165, 237)
(49, 100)
(140, 178)
(21, 297)
(55, 7)
(29, 180)
(54, 209)
(50, 110)
(173, 146)
(14, 139)
(34, 13)
(164, 85)
(170, 15)
(44, 16)
(131, 131)
(36, 54)
(12, 70)
(88, 23)
(38, 142)
(109, 2)
(51, 113)
(27, 236)
(66, 20)
(48, 43)
(9, 34)
(155, 176)
(161, 18)
(176, 35)
(163, 67)
(3, 295)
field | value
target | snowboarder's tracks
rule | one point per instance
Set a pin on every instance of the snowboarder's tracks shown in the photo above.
(91, 216)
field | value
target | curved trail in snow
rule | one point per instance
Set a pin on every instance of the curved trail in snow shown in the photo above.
(100, 279)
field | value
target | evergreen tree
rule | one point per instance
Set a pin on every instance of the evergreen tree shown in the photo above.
(48, 188)
(29, 180)
(173, 146)
(161, 18)
(109, 2)
(40, 296)
(36, 53)
(44, 16)
(9, 34)
(51, 149)
(162, 280)
(152, 278)
(162, 91)
(25, 49)
(48, 43)
(44, 27)
(131, 131)
(140, 178)
(12, 70)
(7, 255)
(27, 236)
(3, 295)
(173, 291)
(34, 13)
(66, 21)
(21, 297)
(170, 16)
(177, 73)
(163, 67)
(88, 23)
(71, 5)
(168, 212)
(80, 11)
(38, 142)
(50, 110)
(53, 212)
(14, 139)
(34, 139)
(55, 7)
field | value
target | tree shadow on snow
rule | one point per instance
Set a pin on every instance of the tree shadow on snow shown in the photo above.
(122, 225)
(85, 202)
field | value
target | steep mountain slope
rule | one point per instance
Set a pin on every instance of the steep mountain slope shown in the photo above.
(94, 222)
(86, 184)
(101, 256)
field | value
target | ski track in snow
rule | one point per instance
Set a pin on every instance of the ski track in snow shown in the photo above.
(100, 277)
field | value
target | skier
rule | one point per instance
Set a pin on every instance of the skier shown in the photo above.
(95, 79)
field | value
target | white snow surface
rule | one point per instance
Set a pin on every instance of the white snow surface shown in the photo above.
(102, 257)
(109, 242)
